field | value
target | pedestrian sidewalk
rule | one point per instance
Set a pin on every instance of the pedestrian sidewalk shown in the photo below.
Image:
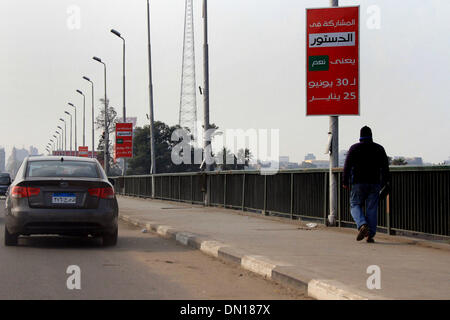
(327, 262)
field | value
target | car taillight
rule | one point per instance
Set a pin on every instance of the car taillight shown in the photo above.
(94, 192)
(33, 191)
(104, 193)
(107, 193)
(24, 192)
(19, 192)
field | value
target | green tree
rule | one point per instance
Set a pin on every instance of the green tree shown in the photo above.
(399, 162)
(226, 160)
(140, 163)
(111, 126)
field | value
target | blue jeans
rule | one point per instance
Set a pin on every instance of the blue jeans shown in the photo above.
(365, 194)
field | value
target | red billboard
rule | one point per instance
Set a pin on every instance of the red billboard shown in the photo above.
(124, 140)
(332, 61)
(83, 151)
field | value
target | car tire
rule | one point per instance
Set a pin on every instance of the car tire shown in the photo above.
(10, 239)
(110, 239)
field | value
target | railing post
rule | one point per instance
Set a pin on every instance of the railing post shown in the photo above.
(170, 187)
(325, 199)
(243, 192)
(292, 197)
(225, 191)
(208, 190)
(388, 215)
(265, 194)
(192, 189)
(338, 200)
(179, 188)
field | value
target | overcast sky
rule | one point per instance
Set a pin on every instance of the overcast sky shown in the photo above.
(257, 69)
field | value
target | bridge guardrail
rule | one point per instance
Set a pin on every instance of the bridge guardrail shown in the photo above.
(419, 202)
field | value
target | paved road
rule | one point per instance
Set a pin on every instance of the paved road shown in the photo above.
(142, 266)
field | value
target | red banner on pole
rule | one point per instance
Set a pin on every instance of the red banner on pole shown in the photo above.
(332, 61)
(83, 151)
(124, 140)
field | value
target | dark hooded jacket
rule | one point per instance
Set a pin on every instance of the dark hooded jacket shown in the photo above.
(366, 162)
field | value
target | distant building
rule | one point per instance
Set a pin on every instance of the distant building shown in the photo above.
(284, 163)
(415, 161)
(13, 163)
(21, 154)
(291, 165)
(307, 165)
(33, 151)
(342, 157)
(315, 164)
(310, 156)
(2, 160)
(16, 158)
(283, 159)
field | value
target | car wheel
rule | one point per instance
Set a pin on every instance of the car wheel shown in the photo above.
(10, 239)
(110, 239)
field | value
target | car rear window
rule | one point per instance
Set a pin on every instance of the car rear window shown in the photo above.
(51, 168)
(4, 180)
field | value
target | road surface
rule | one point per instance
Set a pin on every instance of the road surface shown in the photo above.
(141, 266)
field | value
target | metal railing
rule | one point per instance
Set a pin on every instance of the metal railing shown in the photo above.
(419, 202)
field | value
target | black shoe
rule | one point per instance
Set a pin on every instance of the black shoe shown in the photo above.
(363, 232)
(370, 240)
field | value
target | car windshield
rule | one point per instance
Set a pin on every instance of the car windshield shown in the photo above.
(52, 168)
(4, 180)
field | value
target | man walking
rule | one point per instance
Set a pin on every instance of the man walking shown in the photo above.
(366, 169)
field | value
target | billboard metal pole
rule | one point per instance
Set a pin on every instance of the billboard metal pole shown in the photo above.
(151, 117)
(206, 136)
(334, 157)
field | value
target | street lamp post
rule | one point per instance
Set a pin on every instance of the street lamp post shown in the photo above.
(75, 112)
(84, 116)
(71, 129)
(105, 151)
(55, 146)
(65, 134)
(92, 105)
(59, 139)
(117, 33)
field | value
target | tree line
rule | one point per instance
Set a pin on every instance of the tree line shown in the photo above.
(140, 162)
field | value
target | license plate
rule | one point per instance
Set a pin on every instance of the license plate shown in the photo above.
(64, 198)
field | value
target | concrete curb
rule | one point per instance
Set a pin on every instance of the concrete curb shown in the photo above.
(321, 289)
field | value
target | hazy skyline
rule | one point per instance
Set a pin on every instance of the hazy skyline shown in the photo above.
(257, 70)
